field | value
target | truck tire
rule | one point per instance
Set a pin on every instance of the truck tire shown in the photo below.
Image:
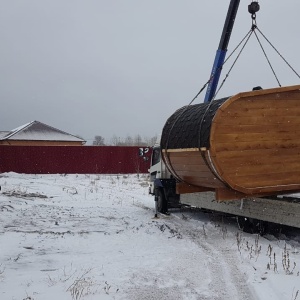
(250, 225)
(162, 205)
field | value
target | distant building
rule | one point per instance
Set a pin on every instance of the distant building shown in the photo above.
(36, 133)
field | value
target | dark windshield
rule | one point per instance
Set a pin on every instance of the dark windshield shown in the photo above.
(155, 156)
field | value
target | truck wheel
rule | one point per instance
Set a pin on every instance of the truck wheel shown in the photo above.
(250, 225)
(162, 205)
(245, 224)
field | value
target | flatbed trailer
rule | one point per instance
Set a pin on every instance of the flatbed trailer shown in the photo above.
(283, 210)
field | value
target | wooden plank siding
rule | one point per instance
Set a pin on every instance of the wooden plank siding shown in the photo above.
(255, 141)
(192, 167)
(254, 147)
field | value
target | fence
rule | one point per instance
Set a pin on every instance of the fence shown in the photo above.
(74, 159)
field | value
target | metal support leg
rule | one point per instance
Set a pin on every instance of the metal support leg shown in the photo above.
(156, 205)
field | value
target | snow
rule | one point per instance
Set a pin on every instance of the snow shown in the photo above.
(38, 131)
(95, 237)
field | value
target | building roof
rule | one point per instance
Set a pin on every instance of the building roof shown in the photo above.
(3, 134)
(37, 131)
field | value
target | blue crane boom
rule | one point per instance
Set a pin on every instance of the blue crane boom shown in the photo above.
(222, 49)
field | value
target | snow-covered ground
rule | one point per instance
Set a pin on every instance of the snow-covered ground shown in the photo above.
(95, 237)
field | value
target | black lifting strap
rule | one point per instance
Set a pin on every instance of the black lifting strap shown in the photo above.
(253, 8)
(278, 53)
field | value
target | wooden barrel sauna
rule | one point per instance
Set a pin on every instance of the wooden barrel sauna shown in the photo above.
(241, 146)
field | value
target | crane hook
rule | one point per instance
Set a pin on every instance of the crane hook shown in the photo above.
(253, 8)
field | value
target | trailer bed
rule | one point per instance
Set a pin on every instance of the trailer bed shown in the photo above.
(283, 210)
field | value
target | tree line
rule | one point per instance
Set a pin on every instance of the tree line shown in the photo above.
(136, 140)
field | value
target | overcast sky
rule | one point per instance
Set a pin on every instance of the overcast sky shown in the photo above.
(122, 67)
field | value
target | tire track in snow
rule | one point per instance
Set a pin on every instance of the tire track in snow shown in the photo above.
(227, 281)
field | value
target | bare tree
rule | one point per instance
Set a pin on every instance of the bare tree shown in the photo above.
(151, 141)
(115, 140)
(138, 140)
(128, 141)
(98, 141)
